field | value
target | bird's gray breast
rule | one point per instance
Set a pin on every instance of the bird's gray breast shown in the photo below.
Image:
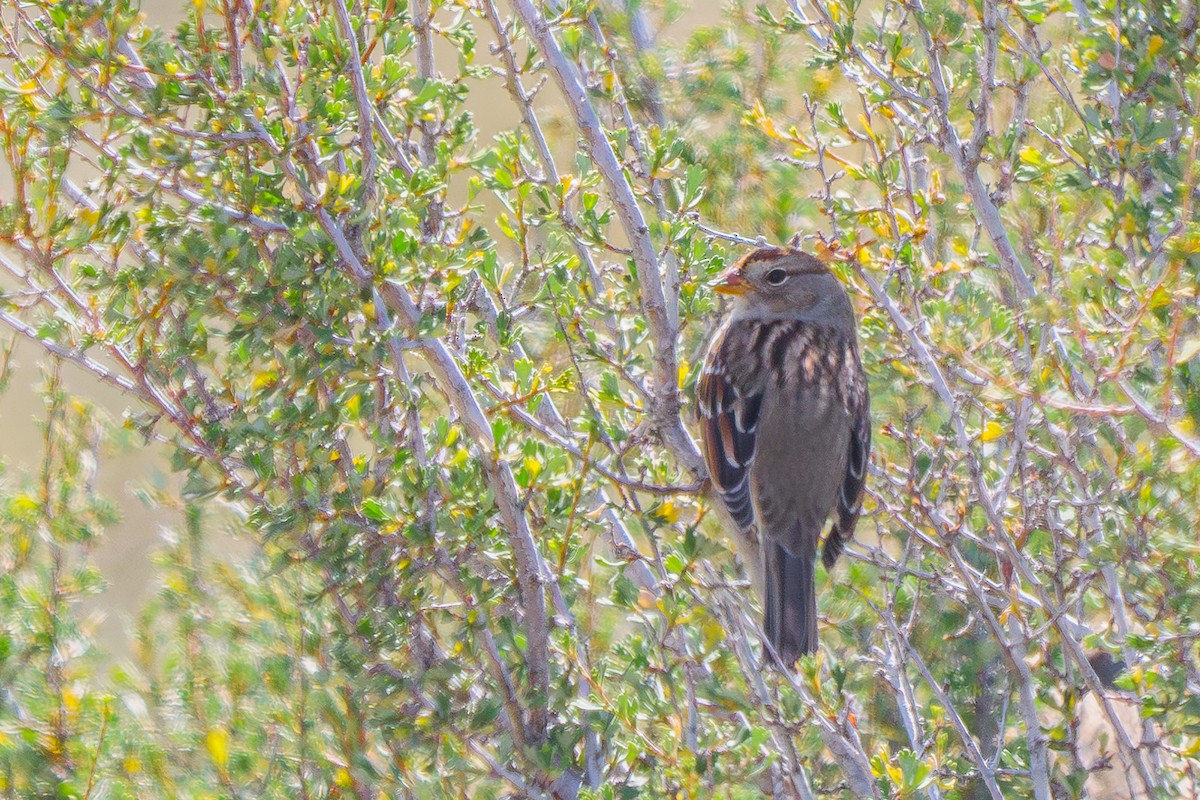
(799, 464)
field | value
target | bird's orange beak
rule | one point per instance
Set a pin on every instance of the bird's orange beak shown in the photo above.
(733, 283)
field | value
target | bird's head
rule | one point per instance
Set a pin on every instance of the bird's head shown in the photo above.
(773, 283)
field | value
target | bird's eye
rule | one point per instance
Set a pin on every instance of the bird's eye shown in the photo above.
(776, 277)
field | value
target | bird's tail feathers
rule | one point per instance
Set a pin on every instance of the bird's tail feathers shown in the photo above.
(790, 602)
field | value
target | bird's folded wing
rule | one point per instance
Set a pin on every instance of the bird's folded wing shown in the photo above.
(729, 416)
(849, 501)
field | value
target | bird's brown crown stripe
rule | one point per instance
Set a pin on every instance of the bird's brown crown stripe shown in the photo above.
(811, 266)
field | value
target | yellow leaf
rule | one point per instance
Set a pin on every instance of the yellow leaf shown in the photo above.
(217, 742)
(862, 120)
(759, 115)
(24, 504)
(991, 432)
(1161, 298)
(265, 379)
(533, 466)
(822, 81)
(70, 699)
(668, 512)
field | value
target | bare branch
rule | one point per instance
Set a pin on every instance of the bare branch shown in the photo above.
(665, 414)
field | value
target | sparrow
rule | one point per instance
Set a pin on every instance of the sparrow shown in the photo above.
(786, 429)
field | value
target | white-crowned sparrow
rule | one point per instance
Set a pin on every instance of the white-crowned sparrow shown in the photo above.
(786, 426)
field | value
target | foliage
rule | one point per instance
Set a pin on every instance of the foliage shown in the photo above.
(446, 375)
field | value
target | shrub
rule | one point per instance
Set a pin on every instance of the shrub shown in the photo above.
(447, 375)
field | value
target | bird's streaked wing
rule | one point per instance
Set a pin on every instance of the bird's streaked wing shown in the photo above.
(849, 501)
(729, 416)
